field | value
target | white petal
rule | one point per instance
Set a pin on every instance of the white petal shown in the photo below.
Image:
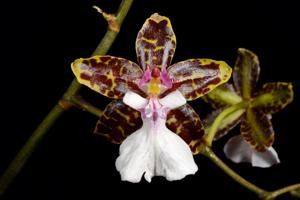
(162, 153)
(173, 100)
(136, 157)
(237, 150)
(134, 100)
(265, 159)
(174, 159)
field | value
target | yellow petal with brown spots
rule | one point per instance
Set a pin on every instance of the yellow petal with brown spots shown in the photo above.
(156, 42)
(108, 75)
(196, 77)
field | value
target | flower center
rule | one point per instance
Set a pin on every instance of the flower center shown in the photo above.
(155, 81)
(154, 110)
(154, 87)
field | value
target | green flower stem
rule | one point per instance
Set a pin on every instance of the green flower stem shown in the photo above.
(209, 137)
(85, 106)
(207, 151)
(17, 164)
(276, 193)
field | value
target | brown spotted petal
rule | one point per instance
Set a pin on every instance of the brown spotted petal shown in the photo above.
(196, 77)
(156, 42)
(221, 96)
(185, 122)
(257, 129)
(246, 72)
(274, 97)
(228, 123)
(108, 75)
(118, 121)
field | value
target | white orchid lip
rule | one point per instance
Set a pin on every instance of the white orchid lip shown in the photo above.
(154, 150)
(238, 150)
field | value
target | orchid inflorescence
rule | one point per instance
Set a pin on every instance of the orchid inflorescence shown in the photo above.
(149, 116)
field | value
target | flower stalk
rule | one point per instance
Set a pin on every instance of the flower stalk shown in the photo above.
(79, 102)
(207, 151)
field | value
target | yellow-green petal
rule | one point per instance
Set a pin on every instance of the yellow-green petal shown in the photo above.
(246, 72)
(274, 97)
(257, 129)
(223, 95)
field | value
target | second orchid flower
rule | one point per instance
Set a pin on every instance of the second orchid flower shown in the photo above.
(254, 145)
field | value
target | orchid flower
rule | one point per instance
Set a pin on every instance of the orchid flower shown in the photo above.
(150, 103)
(254, 145)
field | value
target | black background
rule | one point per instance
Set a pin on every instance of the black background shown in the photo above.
(42, 38)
